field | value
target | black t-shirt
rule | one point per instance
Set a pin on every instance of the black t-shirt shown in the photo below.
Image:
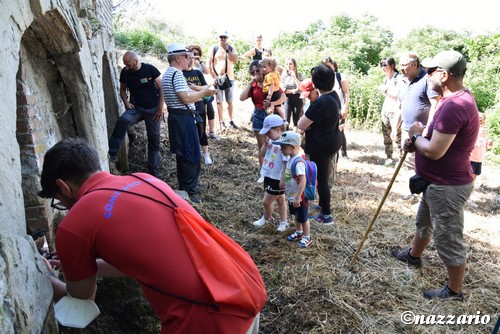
(195, 77)
(324, 136)
(141, 85)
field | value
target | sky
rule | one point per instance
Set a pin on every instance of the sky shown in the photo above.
(246, 19)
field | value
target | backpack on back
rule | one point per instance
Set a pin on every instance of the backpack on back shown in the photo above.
(311, 177)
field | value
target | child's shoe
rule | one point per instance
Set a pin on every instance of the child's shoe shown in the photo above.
(262, 221)
(305, 242)
(294, 236)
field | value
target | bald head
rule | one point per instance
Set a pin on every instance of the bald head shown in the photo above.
(131, 61)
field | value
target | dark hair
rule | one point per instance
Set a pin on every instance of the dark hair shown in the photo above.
(389, 61)
(328, 61)
(70, 159)
(254, 63)
(323, 77)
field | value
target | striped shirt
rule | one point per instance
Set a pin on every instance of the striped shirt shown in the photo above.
(179, 85)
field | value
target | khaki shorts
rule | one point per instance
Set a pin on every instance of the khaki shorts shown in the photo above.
(440, 216)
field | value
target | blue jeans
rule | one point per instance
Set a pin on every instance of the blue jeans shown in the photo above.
(131, 117)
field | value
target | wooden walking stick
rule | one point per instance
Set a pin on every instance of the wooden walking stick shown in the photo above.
(368, 230)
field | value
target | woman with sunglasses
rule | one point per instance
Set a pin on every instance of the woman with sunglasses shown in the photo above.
(254, 91)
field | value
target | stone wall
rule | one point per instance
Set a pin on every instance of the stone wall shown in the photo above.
(59, 79)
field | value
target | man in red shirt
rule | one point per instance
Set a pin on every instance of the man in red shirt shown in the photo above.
(442, 158)
(106, 214)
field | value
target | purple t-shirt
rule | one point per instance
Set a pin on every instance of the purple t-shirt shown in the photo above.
(455, 114)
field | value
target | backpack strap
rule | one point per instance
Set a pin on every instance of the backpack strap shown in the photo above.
(339, 80)
(216, 48)
(172, 206)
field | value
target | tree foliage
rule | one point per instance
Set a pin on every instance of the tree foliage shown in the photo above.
(357, 45)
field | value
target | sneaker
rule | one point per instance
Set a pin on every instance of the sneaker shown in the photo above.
(282, 226)
(194, 198)
(389, 162)
(213, 135)
(261, 179)
(262, 221)
(443, 294)
(323, 219)
(206, 157)
(233, 125)
(404, 255)
(222, 126)
(305, 242)
(294, 236)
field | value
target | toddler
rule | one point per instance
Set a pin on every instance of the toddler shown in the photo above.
(273, 165)
(271, 85)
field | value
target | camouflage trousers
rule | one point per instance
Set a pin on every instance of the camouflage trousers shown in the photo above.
(389, 144)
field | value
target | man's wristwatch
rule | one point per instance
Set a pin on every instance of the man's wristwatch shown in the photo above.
(414, 137)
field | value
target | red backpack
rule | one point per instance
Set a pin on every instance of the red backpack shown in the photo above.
(226, 269)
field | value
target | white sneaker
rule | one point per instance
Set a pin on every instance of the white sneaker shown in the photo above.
(261, 179)
(282, 226)
(262, 221)
(208, 160)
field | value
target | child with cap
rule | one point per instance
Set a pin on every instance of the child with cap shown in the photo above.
(273, 165)
(297, 204)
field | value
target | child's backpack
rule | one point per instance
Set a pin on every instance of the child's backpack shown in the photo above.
(311, 177)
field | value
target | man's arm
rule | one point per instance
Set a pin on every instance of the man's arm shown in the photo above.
(211, 62)
(124, 96)
(233, 56)
(434, 101)
(159, 108)
(434, 148)
(192, 96)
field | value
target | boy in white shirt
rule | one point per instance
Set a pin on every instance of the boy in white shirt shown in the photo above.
(273, 166)
(295, 184)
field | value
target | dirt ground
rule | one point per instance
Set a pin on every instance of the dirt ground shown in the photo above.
(316, 290)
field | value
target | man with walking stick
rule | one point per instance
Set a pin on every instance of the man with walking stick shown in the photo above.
(444, 173)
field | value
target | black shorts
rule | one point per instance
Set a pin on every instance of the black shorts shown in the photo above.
(476, 167)
(272, 186)
(300, 213)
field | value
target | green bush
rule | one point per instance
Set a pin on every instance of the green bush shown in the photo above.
(140, 40)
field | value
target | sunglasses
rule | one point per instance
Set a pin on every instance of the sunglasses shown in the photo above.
(432, 70)
(196, 54)
(223, 37)
(254, 72)
(383, 65)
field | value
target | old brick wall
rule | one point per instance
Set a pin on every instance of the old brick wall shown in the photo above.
(59, 79)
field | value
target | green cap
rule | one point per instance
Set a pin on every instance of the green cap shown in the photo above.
(451, 61)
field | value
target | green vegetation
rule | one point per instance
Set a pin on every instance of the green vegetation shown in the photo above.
(357, 45)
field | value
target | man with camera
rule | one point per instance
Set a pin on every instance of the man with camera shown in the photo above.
(221, 60)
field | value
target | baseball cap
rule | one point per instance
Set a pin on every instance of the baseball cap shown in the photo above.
(270, 122)
(288, 138)
(224, 33)
(451, 61)
(307, 87)
(177, 48)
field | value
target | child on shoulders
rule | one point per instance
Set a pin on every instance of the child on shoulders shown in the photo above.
(273, 166)
(295, 185)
